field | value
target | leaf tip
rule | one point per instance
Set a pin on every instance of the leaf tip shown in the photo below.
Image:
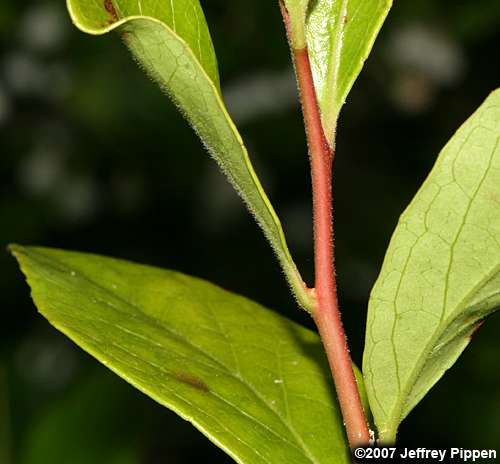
(15, 250)
(21, 255)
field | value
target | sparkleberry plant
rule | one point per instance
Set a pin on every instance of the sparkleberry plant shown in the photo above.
(239, 372)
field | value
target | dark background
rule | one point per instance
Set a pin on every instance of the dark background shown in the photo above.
(93, 157)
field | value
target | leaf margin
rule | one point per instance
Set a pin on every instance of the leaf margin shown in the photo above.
(266, 217)
(441, 339)
(26, 257)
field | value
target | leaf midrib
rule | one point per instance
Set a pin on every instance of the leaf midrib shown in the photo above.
(331, 83)
(272, 227)
(180, 397)
(435, 337)
(172, 392)
(149, 319)
(444, 323)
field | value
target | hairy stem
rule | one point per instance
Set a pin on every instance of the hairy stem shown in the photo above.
(326, 313)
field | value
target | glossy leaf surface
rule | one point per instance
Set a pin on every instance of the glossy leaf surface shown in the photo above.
(170, 40)
(441, 274)
(340, 35)
(255, 383)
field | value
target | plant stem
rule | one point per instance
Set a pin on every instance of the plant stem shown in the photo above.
(326, 314)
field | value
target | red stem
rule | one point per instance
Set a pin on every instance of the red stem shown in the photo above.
(327, 314)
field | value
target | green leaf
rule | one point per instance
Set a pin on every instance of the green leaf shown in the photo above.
(340, 35)
(83, 425)
(170, 40)
(297, 14)
(255, 383)
(441, 273)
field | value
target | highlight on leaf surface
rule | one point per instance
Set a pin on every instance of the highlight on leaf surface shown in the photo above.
(255, 383)
(184, 17)
(171, 41)
(340, 35)
(441, 274)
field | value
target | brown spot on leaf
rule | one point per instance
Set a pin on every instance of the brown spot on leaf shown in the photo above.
(110, 8)
(192, 381)
(476, 328)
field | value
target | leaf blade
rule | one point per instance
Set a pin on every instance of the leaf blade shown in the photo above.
(296, 14)
(185, 18)
(340, 36)
(441, 274)
(172, 61)
(255, 383)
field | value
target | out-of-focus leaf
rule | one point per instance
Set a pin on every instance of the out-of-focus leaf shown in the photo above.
(255, 383)
(5, 426)
(171, 41)
(82, 428)
(441, 273)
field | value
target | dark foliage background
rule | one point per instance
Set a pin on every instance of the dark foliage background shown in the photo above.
(95, 158)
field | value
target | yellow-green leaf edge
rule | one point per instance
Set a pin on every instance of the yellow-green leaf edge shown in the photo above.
(246, 182)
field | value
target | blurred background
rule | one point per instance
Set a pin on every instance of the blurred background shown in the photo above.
(94, 158)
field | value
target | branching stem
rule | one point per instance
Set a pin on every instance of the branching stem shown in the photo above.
(326, 314)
